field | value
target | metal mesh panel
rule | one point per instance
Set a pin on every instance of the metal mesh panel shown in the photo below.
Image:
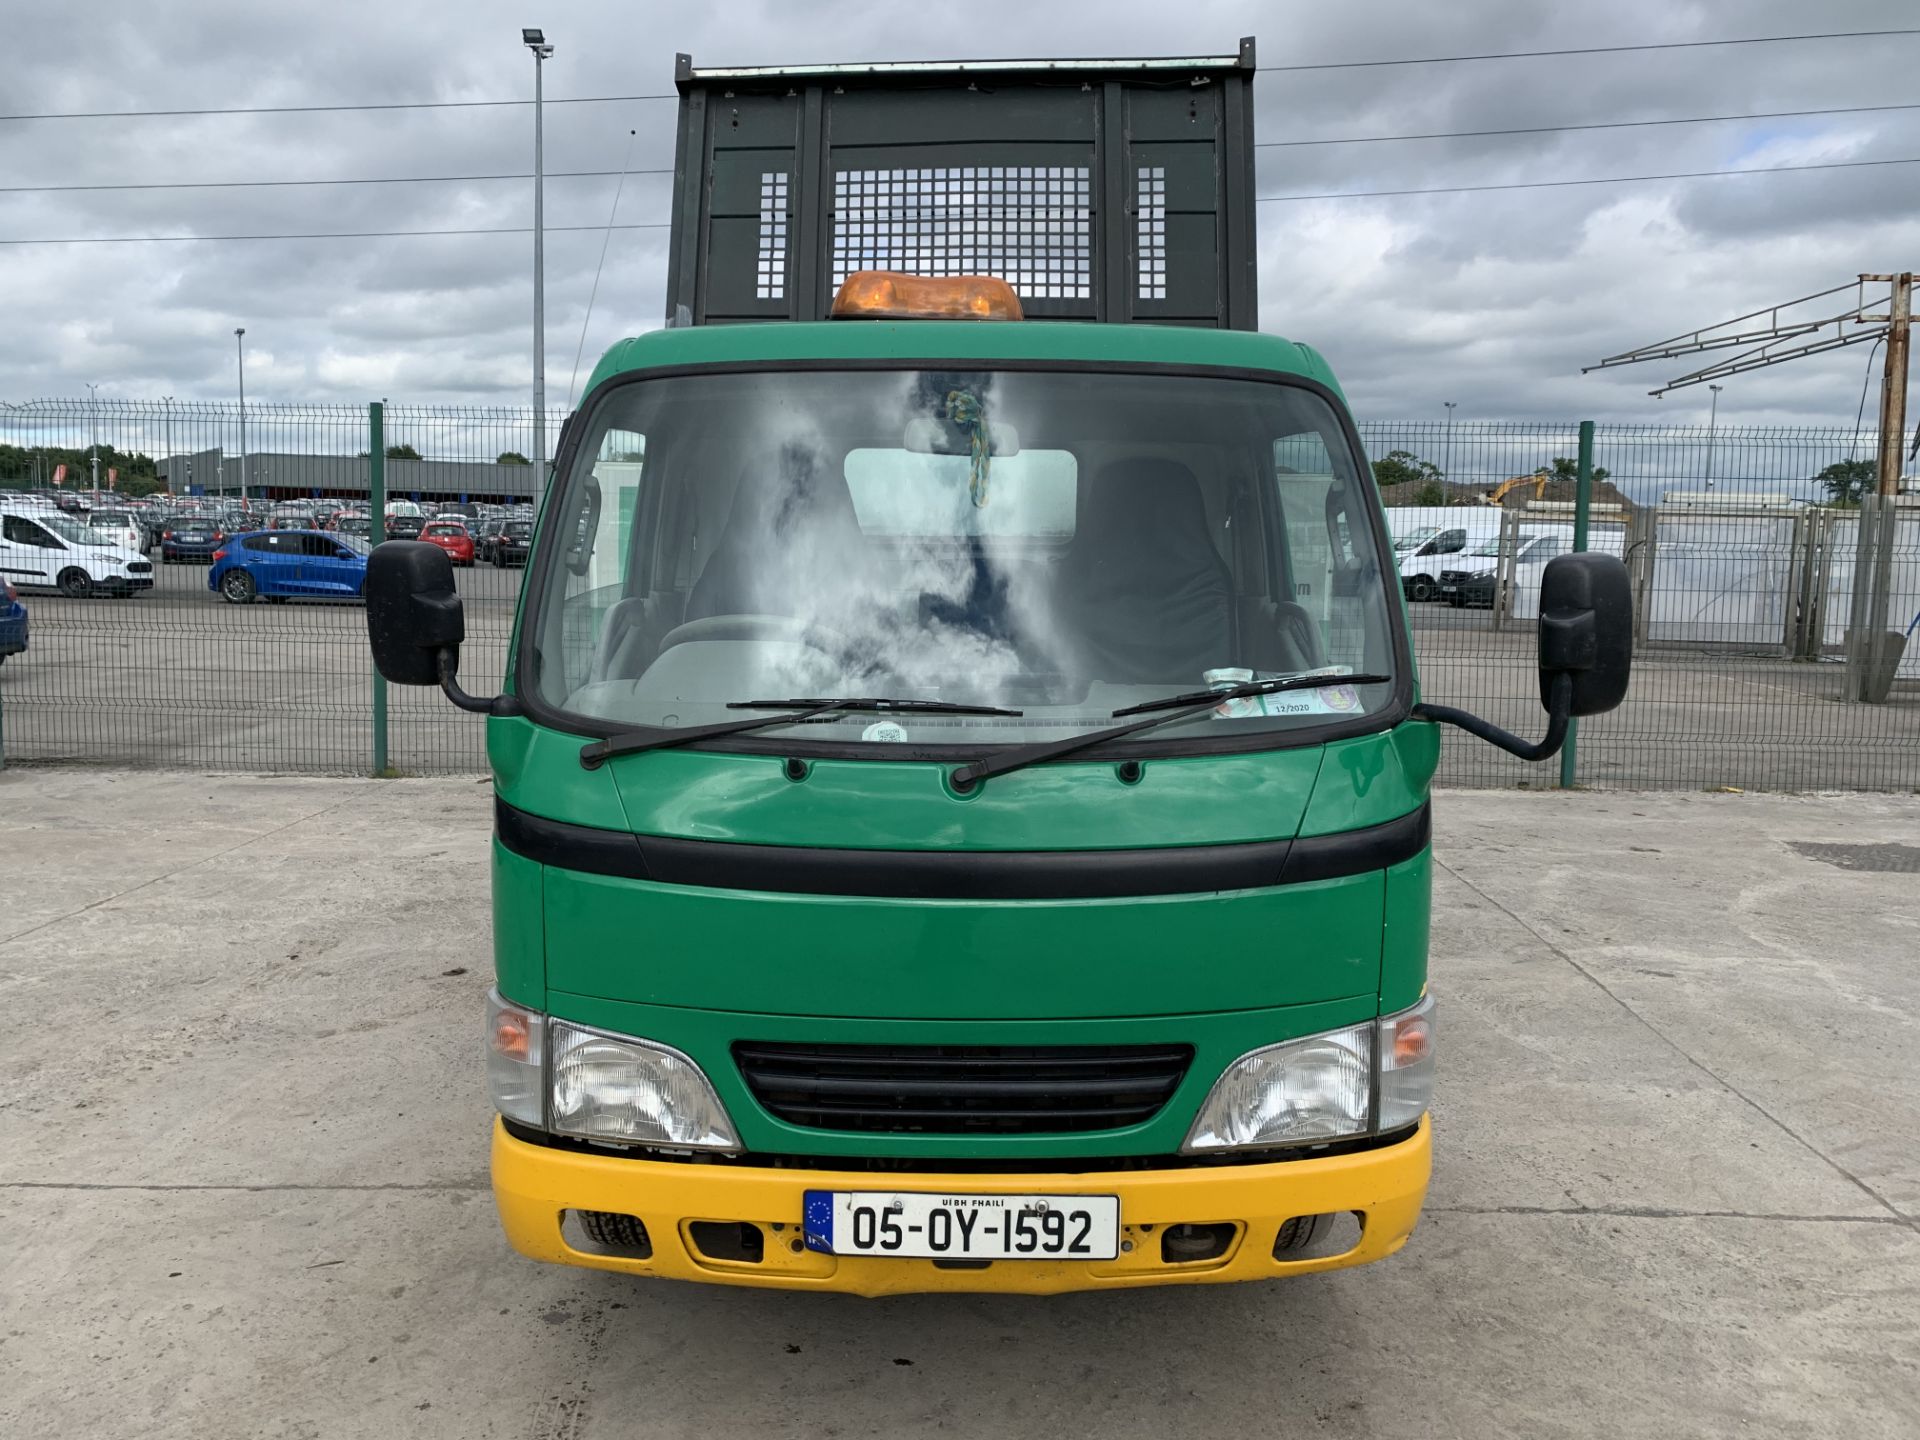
(181, 675)
(1752, 605)
(1743, 586)
(1032, 225)
(770, 272)
(1151, 239)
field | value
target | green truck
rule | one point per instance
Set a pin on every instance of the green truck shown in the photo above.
(961, 788)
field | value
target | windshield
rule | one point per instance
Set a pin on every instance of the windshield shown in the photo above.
(1532, 547)
(115, 519)
(66, 528)
(1414, 539)
(1061, 544)
(346, 540)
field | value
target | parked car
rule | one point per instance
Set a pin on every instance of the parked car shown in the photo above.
(191, 537)
(287, 565)
(484, 534)
(405, 527)
(47, 549)
(118, 527)
(452, 537)
(357, 525)
(1420, 565)
(510, 546)
(13, 622)
(1473, 583)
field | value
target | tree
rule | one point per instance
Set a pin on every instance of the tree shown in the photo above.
(1568, 469)
(402, 452)
(511, 457)
(1401, 467)
(24, 467)
(1845, 481)
(1431, 492)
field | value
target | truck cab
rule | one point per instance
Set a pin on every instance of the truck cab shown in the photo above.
(961, 792)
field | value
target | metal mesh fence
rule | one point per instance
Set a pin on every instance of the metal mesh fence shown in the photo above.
(1744, 592)
(193, 670)
(1754, 608)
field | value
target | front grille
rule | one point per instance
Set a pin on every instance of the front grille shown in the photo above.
(962, 1089)
(140, 567)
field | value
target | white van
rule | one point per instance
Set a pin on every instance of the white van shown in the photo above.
(1473, 578)
(49, 550)
(1421, 563)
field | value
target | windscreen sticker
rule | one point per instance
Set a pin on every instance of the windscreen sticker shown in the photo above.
(1327, 700)
(887, 731)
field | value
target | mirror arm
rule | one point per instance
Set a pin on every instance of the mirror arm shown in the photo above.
(1558, 711)
(447, 661)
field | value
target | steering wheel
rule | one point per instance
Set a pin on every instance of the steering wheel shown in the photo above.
(824, 638)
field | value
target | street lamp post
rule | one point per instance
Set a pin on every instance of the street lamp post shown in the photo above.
(93, 433)
(1713, 422)
(536, 41)
(167, 400)
(1448, 469)
(240, 354)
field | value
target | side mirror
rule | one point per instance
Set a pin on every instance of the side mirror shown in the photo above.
(1586, 630)
(413, 611)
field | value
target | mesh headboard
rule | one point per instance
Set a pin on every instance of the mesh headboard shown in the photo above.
(1100, 190)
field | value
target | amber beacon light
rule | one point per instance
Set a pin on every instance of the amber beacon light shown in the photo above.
(889, 295)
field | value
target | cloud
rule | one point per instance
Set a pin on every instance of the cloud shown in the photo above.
(1493, 300)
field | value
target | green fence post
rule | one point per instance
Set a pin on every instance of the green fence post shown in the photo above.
(1582, 510)
(377, 532)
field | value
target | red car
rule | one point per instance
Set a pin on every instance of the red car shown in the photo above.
(452, 537)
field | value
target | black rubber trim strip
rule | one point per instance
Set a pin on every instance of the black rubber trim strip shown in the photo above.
(962, 874)
(965, 1164)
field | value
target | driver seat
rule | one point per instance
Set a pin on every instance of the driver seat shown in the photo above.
(1143, 592)
(790, 531)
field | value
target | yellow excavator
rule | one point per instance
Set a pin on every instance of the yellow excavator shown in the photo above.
(1540, 479)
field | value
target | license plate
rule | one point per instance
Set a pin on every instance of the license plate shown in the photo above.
(963, 1227)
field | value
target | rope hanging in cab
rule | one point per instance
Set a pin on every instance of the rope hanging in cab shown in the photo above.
(965, 409)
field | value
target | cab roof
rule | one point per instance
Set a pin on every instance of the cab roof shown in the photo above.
(943, 341)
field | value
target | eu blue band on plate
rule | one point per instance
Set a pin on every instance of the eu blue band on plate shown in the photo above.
(817, 1223)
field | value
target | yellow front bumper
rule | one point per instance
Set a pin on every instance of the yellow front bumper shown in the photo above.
(535, 1185)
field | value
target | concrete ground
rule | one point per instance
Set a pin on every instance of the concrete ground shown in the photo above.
(243, 1180)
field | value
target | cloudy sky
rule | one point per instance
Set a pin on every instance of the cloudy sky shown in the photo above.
(1492, 299)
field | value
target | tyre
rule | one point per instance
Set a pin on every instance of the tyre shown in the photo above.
(616, 1232)
(75, 583)
(1299, 1233)
(238, 587)
(1420, 588)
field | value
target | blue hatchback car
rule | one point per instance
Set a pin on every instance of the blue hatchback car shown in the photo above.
(13, 622)
(289, 565)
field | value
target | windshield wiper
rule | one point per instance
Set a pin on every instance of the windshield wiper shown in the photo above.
(1167, 710)
(597, 753)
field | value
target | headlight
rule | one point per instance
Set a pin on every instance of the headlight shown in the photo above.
(516, 1052)
(1321, 1087)
(1481, 575)
(1315, 1088)
(606, 1087)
